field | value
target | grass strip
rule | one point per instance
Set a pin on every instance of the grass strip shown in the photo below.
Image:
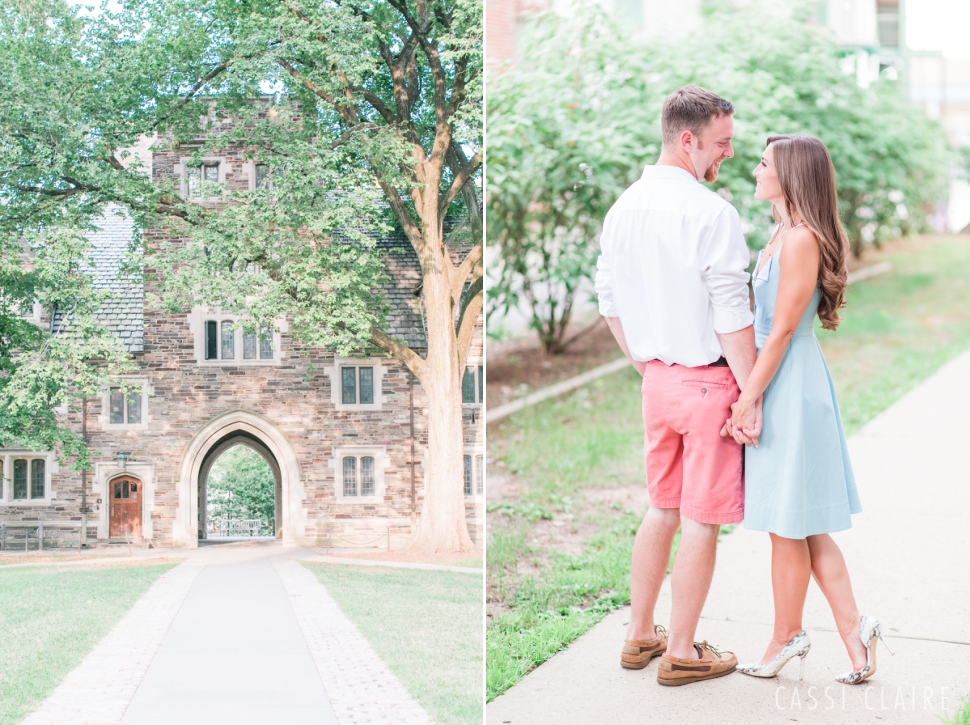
(427, 627)
(50, 619)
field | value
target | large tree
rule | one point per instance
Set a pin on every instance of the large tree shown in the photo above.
(368, 115)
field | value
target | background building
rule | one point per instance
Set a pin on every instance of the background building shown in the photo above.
(345, 437)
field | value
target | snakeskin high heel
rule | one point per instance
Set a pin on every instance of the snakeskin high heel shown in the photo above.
(799, 646)
(869, 630)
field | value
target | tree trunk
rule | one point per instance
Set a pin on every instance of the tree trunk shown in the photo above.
(441, 526)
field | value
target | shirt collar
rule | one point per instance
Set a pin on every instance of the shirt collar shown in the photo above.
(672, 173)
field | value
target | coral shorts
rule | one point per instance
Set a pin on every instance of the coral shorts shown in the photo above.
(689, 465)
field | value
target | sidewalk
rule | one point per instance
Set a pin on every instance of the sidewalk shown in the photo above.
(239, 633)
(909, 557)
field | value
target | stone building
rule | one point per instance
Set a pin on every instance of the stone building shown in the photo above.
(345, 438)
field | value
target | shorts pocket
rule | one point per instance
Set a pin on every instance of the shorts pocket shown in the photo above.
(704, 387)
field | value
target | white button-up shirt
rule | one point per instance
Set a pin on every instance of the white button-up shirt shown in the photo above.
(672, 268)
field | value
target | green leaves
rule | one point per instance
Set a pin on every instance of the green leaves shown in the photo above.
(569, 129)
(241, 486)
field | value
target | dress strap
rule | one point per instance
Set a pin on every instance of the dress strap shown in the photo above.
(781, 242)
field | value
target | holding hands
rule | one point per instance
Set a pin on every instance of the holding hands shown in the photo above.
(744, 425)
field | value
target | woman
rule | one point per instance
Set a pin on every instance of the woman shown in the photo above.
(799, 485)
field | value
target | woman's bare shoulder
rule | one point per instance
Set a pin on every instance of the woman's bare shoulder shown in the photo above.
(802, 243)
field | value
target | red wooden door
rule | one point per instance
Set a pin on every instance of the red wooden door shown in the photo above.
(125, 493)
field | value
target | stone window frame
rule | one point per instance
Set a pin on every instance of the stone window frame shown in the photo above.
(334, 373)
(6, 485)
(147, 391)
(35, 314)
(478, 486)
(182, 170)
(201, 314)
(250, 168)
(478, 365)
(381, 462)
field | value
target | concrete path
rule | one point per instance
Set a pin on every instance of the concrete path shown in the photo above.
(239, 633)
(909, 557)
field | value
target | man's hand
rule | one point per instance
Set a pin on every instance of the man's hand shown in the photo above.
(739, 437)
(746, 420)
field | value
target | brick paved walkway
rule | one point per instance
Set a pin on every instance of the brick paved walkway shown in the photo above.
(100, 688)
(361, 687)
(238, 633)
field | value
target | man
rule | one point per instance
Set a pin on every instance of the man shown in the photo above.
(672, 286)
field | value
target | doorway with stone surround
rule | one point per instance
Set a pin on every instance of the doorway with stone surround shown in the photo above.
(125, 495)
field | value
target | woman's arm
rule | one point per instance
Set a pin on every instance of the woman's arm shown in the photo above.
(799, 261)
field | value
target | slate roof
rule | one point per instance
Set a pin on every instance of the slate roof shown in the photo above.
(404, 272)
(124, 311)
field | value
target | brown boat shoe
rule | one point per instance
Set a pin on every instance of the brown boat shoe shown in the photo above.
(710, 664)
(638, 652)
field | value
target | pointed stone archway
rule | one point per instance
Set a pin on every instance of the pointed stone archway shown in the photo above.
(223, 431)
(231, 440)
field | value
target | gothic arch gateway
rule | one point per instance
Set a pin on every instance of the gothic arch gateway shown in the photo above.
(222, 432)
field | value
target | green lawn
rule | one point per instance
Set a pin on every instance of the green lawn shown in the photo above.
(50, 619)
(899, 328)
(427, 627)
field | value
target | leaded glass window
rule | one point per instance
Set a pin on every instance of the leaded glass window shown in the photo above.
(249, 347)
(367, 476)
(20, 478)
(348, 386)
(350, 476)
(194, 176)
(468, 386)
(116, 404)
(479, 475)
(134, 407)
(481, 384)
(211, 340)
(262, 176)
(266, 345)
(366, 386)
(468, 475)
(123, 410)
(228, 341)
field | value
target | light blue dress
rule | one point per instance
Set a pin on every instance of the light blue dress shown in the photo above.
(799, 481)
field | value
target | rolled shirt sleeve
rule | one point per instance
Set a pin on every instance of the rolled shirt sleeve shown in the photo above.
(725, 260)
(604, 289)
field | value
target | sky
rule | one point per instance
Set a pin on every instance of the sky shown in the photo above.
(939, 25)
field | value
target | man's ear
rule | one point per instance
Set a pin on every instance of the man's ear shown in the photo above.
(687, 140)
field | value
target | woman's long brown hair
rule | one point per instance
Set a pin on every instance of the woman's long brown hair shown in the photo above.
(807, 180)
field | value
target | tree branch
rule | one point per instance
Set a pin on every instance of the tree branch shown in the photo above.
(211, 75)
(416, 364)
(463, 176)
(470, 265)
(349, 133)
(468, 319)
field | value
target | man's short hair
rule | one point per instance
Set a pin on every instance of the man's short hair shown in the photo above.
(690, 108)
